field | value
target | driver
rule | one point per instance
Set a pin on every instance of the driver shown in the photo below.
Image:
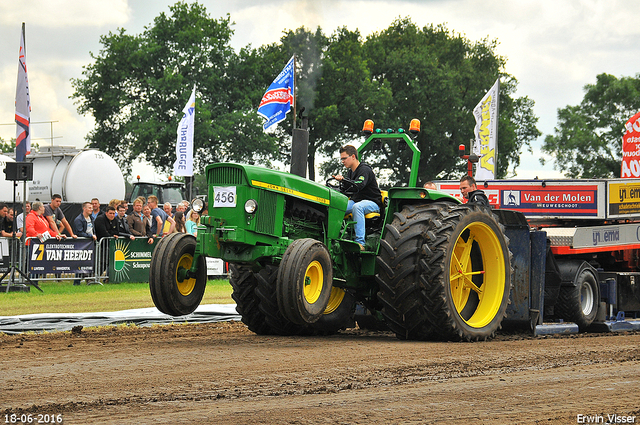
(367, 198)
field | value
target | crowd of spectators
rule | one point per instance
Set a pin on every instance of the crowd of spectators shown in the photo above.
(146, 220)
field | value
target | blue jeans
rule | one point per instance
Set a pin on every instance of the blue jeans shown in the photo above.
(359, 210)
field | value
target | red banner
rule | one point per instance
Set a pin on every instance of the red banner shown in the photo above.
(631, 148)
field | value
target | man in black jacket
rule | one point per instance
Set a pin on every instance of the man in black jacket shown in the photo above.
(367, 197)
(470, 191)
(106, 224)
(123, 226)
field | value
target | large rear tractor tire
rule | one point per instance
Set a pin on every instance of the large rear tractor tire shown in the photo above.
(304, 281)
(244, 284)
(579, 304)
(339, 313)
(466, 273)
(173, 290)
(400, 291)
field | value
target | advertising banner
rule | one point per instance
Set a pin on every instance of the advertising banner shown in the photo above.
(624, 198)
(184, 145)
(486, 133)
(585, 199)
(130, 260)
(64, 256)
(631, 148)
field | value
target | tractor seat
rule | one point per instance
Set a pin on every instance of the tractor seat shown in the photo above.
(372, 218)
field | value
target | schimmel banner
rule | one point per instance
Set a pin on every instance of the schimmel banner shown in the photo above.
(631, 148)
(130, 260)
(65, 256)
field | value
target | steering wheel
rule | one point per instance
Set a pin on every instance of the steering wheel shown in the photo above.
(346, 187)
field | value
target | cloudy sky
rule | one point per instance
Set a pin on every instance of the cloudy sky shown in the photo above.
(553, 47)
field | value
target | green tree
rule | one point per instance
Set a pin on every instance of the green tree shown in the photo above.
(439, 77)
(588, 139)
(138, 84)
(7, 147)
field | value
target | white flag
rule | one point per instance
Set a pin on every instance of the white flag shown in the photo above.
(23, 105)
(184, 146)
(486, 132)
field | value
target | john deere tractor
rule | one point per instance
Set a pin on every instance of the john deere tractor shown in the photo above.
(432, 268)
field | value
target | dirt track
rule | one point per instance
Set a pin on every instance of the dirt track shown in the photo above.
(223, 374)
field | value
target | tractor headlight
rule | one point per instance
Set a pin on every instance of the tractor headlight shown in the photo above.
(250, 206)
(197, 205)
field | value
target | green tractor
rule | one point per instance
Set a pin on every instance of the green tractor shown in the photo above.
(432, 268)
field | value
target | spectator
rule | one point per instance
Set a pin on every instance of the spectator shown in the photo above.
(114, 203)
(471, 193)
(83, 227)
(167, 209)
(95, 205)
(3, 212)
(430, 185)
(159, 218)
(182, 206)
(126, 206)
(7, 227)
(191, 224)
(135, 220)
(179, 219)
(123, 226)
(38, 226)
(54, 214)
(106, 225)
(20, 217)
(148, 221)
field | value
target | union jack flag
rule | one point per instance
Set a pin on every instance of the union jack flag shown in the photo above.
(276, 102)
(23, 105)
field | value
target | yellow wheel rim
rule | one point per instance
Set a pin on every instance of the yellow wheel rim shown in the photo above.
(481, 284)
(335, 299)
(313, 281)
(185, 287)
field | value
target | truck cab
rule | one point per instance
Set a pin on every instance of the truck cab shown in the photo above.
(172, 192)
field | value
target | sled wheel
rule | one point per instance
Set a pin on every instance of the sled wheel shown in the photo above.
(339, 313)
(244, 284)
(398, 278)
(174, 290)
(467, 273)
(579, 304)
(304, 281)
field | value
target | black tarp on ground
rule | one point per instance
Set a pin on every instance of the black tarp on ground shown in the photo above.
(140, 317)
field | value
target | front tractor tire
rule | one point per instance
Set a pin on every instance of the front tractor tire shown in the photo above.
(304, 281)
(173, 290)
(466, 273)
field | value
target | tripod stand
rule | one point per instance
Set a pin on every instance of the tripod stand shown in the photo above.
(18, 171)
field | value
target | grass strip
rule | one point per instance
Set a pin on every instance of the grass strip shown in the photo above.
(63, 297)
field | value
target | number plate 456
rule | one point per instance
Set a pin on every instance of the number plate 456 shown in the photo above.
(224, 197)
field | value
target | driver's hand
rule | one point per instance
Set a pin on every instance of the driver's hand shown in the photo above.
(338, 177)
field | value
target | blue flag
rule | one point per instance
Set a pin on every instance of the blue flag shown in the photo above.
(276, 102)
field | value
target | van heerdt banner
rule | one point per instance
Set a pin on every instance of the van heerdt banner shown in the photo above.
(65, 256)
(130, 260)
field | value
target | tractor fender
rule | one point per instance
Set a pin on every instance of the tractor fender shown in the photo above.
(571, 269)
